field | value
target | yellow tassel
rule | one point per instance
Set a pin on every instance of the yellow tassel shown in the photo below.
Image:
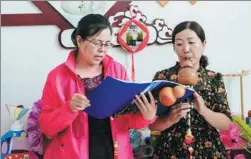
(115, 144)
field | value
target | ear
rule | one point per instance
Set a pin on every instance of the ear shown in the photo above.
(78, 40)
(204, 43)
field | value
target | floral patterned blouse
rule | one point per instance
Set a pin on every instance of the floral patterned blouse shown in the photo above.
(208, 145)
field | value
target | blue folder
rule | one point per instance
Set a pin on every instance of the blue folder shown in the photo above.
(115, 97)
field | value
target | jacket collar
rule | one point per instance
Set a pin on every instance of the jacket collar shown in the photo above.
(71, 62)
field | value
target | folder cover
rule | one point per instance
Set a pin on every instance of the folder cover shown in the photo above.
(114, 97)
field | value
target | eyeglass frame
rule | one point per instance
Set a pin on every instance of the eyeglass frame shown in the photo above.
(101, 44)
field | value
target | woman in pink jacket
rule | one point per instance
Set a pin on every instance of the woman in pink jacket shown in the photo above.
(75, 135)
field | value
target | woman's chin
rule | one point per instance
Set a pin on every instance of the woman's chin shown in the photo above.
(96, 62)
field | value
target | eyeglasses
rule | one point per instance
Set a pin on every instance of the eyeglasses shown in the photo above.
(100, 44)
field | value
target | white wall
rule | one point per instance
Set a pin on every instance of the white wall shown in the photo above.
(29, 53)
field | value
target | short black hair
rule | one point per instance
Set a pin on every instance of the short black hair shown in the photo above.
(90, 25)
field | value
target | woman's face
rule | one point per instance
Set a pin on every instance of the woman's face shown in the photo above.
(189, 46)
(92, 50)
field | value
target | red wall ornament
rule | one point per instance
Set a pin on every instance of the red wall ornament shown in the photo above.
(134, 37)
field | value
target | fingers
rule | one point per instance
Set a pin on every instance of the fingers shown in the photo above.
(143, 101)
(181, 114)
(181, 106)
(197, 96)
(152, 101)
(138, 103)
(198, 100)
(80, 97)
(185, 106)
(79, 102)
(80, 108)
(180, 110)
(148, 110)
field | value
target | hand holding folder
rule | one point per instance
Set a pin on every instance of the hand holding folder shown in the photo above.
(115, 97)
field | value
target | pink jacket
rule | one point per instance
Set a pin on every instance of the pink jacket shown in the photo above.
(69, 130)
